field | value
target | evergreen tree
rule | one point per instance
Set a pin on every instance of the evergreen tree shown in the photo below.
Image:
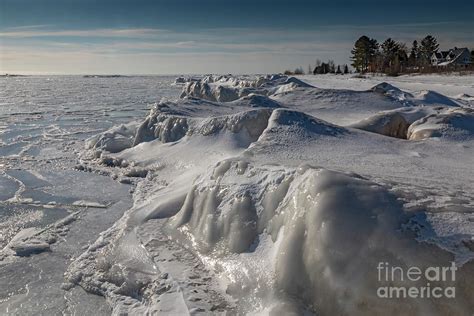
(414, 54)
(394, 56)
(373, 53)
(389, 52)
(401, 58)
(338, 71)
(325, 68)
(346, 69)
(429, 45)
(363, 54)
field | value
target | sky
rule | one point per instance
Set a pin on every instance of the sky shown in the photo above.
(211, 36)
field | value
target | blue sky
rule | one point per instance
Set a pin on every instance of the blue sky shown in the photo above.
(170, 37)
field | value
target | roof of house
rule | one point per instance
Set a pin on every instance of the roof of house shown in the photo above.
(458, 51)
(456, 54)
(442, 54)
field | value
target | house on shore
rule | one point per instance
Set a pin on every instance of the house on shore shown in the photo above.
(456, 57)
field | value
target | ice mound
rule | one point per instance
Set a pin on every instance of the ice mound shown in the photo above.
(172, 128)
(203, 90)
(285, 88)
(257, 101)
(166, 128)
(183, 80)
(114, 140)
(330, 231)
(455, 123)
(385, 87)
(226, 89)
(391, 91)
(391, 124)
(429, 97)
(251, 123)
(340, 106)
(284, 121)
(425, 97)
(266, 81)
(395, 123)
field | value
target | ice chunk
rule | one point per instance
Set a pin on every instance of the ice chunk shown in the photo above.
(454, 123)
(114, 140)
(25, 243)
(391, 124)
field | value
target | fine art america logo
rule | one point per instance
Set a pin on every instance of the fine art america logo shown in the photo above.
(434, 281)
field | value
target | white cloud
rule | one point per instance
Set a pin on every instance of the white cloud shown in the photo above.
(29, 32)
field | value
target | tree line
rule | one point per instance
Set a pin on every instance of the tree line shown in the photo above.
(321, 68)
(392, 57)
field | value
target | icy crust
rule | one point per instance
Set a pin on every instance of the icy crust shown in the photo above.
(330, 230)
(455, 123)
(226, 89)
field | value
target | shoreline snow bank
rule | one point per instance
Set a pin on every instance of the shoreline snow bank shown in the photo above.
(222, 181)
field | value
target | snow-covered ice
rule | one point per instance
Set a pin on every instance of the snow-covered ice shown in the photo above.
(253, 195)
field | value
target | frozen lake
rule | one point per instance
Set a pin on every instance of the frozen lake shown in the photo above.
(43, 123)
